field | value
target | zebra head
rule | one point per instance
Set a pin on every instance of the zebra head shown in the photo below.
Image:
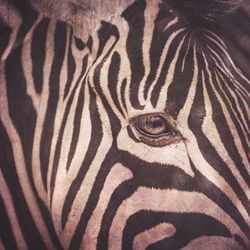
(126, 126)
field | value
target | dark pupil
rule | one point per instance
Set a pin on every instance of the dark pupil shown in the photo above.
(154, 125)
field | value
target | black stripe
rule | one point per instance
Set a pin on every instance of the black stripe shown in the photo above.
(71, 66)
(95, 140)
(215, 54)
(215, 194)
(20, 105)
(134, 15)
(241, 114)
(77, 120)
(6, 233)
(113, 72)
(131, 135)
(29, 17)
(24, 118)
(226, 134)
(23, 7)
(202, 225)
(105, 167)
(123, 93)
(106, 31)
(5, 32)
(78, 113)
(235, 113)
(167, 64)
(78, 42)
(122, 192)
(48, 128)
(38, 51)
(89, 43)
(210, 154)
(27, 225)
(159, 39)
(179, 89)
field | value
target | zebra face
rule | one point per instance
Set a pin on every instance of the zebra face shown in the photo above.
(136, 136)
(150, 186)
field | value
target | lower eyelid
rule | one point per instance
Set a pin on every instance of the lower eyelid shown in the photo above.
(161, 142)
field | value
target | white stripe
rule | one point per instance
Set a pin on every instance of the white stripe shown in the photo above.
(171, 23)
(117, 175)
(161, 64)
(61, 107)
(65, 178)
(85, 190)
(193, 149)
(150, 15)
(233, 129)
(210, 131)
(18, 155)
(104, 82)
(161, 103)
(218, 60)
(238, 108)
(9, 15)
(41, 114)
(187, 50)
(152, 235)
(223, 47)
(169, 200)
(170, 156)
(28, 65)
(10, 209)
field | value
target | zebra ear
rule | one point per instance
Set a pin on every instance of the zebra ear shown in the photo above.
(203, 12)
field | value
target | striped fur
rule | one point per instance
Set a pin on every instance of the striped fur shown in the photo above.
(74, 176)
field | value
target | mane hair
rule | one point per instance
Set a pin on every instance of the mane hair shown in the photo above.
(203, 12)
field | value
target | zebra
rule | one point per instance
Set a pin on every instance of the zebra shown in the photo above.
(123, 125)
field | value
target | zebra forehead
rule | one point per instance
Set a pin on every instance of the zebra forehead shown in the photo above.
(164, 57)
(85, 14)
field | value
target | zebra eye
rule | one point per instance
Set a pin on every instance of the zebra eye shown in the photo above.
(155, 129)
(152, 125)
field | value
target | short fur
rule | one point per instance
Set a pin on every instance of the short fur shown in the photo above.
(84, 14)
(200, 12)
